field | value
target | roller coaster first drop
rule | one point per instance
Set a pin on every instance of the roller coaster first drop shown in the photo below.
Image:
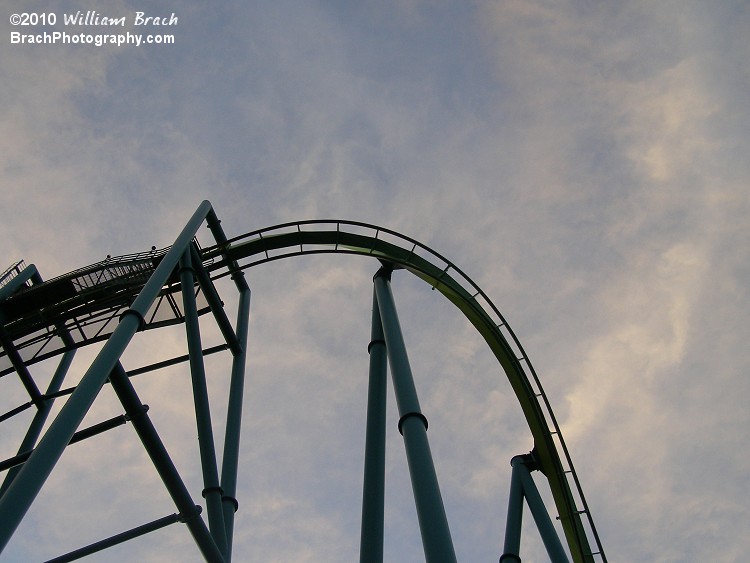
(110, 301)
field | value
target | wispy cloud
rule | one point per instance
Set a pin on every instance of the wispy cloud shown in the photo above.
(585, 163)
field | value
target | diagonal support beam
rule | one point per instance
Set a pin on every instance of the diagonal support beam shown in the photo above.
(118, 538)
(21, 369)
(40, 417)
(18, 459)
(214, 301)
(45, 405)
(163, 463)
(21, 494)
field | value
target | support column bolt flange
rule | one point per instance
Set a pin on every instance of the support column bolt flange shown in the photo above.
(419, 415)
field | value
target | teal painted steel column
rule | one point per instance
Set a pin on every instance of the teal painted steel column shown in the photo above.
(236, 388)
(143, 426)
(433, 524)
(40, 418)
(211, 489)
(539, 512)
(373, 489)
(231, 457)
(20, 367)
(214, 301)
(37, 423)
(21, 494)
(512, 545)
(28, 273)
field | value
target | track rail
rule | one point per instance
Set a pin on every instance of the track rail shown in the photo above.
(285, 240)
(351, 237)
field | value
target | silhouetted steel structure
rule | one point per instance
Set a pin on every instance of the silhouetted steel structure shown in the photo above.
(110, 301)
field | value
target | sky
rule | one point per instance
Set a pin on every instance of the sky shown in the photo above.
(584, 162)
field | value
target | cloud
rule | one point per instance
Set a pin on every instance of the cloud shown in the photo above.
(584, 163)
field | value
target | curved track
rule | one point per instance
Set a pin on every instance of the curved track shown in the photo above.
(72, 305)
(333, 236)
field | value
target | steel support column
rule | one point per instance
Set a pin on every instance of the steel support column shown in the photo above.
(373, 489)
(211, 487)
(18, 498)
(214, 301)
(236, 388)
(433, 524)
(40, 417)
(45, 406)
(539, 512)
(21, 369)
(231, 456)
(512, 545)
(143, 426)
(522, 486)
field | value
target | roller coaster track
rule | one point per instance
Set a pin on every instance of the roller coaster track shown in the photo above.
(86, 304)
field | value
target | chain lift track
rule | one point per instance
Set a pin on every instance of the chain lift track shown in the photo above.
(111, 300)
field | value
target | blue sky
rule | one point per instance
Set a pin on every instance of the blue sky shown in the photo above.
(584, 162)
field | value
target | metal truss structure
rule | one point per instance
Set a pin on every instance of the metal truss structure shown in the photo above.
(110, 301)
